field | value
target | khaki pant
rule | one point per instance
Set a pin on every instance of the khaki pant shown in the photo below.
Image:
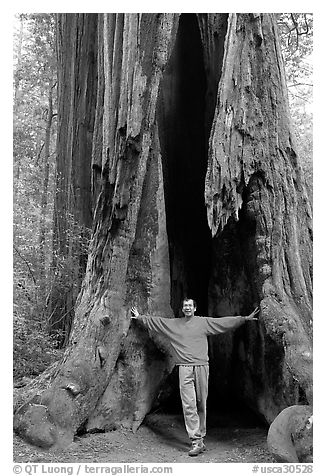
(193, 382)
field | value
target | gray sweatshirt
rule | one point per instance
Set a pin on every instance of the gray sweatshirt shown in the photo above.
(188, 337)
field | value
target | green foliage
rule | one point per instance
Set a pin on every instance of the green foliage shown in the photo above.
(34, 75)
(33, 348)
(296, 32)
(68, 269)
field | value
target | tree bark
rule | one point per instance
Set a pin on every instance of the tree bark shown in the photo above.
(44, 198)
(170, 116)
(254, 178)
(77, 84)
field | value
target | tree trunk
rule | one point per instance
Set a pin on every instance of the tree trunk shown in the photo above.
(17, 81)
(44, 198)
(17, 78)
(259, 212)
(76, 35)
(200, 193)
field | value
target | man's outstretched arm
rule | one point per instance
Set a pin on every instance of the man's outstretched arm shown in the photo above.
(157, 324)
(219, 325)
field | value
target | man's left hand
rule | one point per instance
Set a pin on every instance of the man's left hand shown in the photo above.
(251, 316)
(134, 313)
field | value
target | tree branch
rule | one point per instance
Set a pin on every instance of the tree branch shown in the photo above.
(299, 84)
(299, 97)
(39, 154)
(27, 264)
(295, 23)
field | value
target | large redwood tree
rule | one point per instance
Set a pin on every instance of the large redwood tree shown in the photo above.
(199, 192)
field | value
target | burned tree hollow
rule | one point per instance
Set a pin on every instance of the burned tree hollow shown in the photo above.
(214, 271)
(223, 271)
(183, 141)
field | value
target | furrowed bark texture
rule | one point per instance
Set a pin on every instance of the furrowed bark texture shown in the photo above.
(198, 191)
(77, 86)
(135, 49)
(254, 178)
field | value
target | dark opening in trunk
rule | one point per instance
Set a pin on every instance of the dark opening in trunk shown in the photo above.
(215, 272)
(184, 156)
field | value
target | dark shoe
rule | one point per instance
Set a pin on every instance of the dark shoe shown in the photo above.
(197, 448)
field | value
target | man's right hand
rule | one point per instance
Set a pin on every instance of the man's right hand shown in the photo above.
(251, 316)
(134, 313)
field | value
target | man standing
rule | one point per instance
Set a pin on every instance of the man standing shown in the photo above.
(188, 339)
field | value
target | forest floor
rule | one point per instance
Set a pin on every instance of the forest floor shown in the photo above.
(160, 439)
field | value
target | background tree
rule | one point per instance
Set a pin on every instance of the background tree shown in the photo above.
(52, 199)
(34, 171)
(297, 45)
(200, 191)
(77, 89)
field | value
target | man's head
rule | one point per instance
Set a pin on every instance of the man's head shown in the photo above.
(188, 307)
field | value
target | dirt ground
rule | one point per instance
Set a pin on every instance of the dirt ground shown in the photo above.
(160, 439)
